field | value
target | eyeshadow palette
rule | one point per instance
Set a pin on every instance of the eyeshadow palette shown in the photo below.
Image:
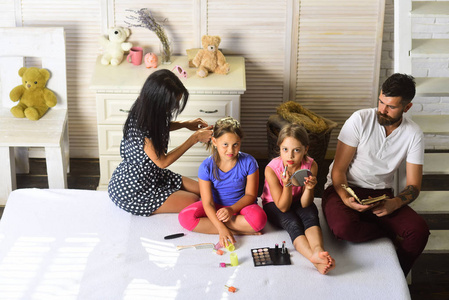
(270, 256)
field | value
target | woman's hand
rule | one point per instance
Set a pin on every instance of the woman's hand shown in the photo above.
(224, 214)
(195, 124)
(203, 135)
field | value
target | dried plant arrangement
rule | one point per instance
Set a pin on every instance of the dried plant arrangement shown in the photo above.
(144, 18)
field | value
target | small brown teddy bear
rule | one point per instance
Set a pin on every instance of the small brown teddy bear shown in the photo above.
(210, 59)
(35, 98)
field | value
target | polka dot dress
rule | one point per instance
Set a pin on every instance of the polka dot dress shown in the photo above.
(138, 185)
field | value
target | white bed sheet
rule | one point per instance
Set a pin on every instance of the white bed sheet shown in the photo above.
(76, 244)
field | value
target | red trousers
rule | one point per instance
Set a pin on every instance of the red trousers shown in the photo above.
(408, 231)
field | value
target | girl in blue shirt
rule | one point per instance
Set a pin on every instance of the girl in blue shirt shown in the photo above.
(229, 182)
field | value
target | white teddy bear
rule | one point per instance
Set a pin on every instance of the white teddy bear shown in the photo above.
(115, 46)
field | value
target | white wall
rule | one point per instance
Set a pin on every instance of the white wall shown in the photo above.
(437, 28)
(433, 27)
(421, 28)
(386, 62)
(265, 32)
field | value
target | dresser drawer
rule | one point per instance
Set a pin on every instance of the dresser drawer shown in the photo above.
(108, 164)
(109, 138)
(187, 166)
(179, 136)
(113, 108)
(208, 107)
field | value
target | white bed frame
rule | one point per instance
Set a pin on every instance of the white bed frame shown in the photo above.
(76, 244)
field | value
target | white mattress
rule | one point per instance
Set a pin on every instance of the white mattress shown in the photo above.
(76, 244)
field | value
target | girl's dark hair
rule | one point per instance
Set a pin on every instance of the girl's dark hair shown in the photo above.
(222, 126)
(296, 131)
(162, 98)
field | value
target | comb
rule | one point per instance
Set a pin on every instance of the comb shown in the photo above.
(196, 246)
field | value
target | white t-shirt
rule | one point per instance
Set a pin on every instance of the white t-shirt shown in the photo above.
(378, 156)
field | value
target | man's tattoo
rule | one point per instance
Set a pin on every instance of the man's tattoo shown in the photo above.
(409, 194)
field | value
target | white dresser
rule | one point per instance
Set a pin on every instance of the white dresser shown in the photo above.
(117, 88)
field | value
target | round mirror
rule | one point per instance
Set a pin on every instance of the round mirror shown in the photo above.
(298, 177)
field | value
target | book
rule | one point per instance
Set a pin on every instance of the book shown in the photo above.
(363, 201)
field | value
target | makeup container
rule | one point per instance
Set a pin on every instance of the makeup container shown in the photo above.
(234, 259)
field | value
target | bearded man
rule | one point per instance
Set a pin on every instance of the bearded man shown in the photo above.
(371, 146)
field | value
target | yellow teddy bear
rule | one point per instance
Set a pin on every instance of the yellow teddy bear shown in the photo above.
(35, 98)
(210, 59)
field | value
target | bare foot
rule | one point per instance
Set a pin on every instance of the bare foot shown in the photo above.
(320, 257)
(331, 264)
(323, 262)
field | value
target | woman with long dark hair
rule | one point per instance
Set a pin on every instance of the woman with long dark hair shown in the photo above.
(142, 184)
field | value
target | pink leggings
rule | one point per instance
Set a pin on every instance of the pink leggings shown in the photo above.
(190, 216)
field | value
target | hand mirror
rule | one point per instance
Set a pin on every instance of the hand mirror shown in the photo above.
(298, 177)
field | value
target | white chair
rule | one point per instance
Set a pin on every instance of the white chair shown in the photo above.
(46, 44)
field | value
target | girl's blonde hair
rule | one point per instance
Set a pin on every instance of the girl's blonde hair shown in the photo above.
(296, 131)
(221, 127)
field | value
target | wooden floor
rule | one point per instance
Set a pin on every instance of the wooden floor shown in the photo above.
(430, 274)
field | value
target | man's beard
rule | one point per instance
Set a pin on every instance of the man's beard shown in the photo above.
(385, 120)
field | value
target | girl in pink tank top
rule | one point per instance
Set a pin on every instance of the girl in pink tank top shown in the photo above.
(291, 207)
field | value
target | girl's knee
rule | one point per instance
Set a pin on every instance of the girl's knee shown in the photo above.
(295, 232)
(188, 217)
(255, 216)
(310, 221)
(259, 222)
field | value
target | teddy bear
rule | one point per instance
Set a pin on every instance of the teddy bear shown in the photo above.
(34, 98)
(115, 46)
(210, 59)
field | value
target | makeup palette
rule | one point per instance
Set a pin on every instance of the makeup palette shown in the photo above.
(270, 256)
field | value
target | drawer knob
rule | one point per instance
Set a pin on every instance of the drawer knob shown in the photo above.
(124, 110)
(209, 111)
